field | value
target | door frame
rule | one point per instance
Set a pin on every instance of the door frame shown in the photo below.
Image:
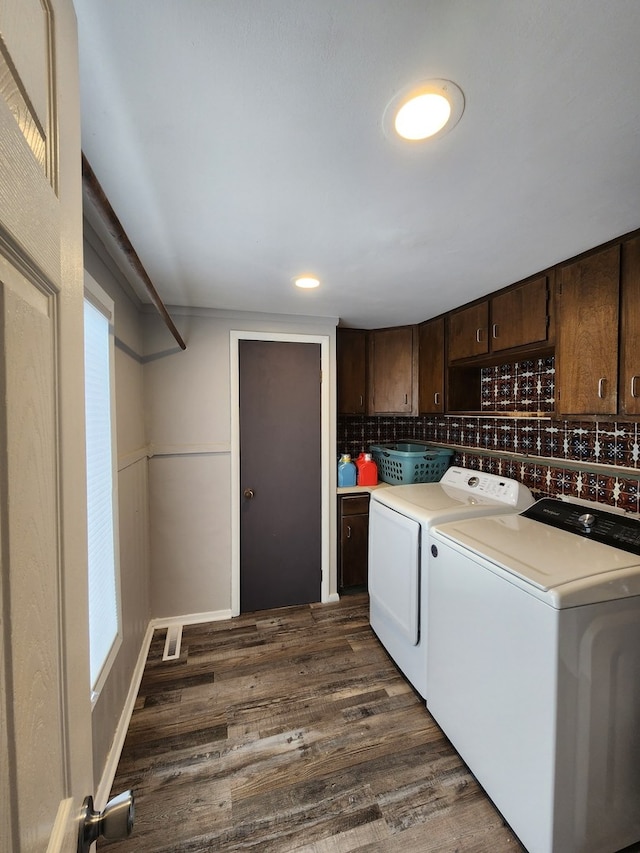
(325, 451)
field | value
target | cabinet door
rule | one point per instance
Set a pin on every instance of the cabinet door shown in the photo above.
(431, 366)
(392, 371)
(354, 551)
(630, 329)
(519, 316)
(587, 349)
(468, 331)
(351, 351)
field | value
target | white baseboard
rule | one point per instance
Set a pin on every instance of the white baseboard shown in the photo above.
(191, 618)
(111, 765)
(333, 597)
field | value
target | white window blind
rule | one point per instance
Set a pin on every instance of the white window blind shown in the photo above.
(103, 598)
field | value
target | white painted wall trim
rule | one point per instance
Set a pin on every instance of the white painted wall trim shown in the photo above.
(129, 459)
(328, 505)
(111, 764)
(152, 450)
(191, 619)
(189, 449)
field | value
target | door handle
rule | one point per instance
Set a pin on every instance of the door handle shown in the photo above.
(248, 493)
(634, 381)
(115, 821)
(348, 531)
(436, 398)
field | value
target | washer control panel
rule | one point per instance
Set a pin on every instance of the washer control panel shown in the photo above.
(493, 486)
(618, 531)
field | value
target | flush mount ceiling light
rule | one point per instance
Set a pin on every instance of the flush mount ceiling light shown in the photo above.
(307, 282)
(425, 111)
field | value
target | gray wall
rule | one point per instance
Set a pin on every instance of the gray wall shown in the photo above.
(188, 418)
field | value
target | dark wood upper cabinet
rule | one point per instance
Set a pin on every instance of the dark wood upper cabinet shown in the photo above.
(469, 331)
(512, 319)
(586, 311)
(630, 328)
(393, 371)
(431, 366)
(351, 354)
(520, 316)
(587, 299)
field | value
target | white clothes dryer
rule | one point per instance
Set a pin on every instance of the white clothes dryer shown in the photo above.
(534, 668)
(399, 522)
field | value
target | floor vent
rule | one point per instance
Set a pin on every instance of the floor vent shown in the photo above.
(172, 643)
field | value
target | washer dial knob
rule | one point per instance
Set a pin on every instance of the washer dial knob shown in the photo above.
(588, 521)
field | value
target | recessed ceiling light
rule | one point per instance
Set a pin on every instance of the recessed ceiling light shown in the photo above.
(425, 111)
(306, 281)
(422, 116)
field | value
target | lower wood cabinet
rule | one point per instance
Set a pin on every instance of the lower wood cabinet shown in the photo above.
(353, 546)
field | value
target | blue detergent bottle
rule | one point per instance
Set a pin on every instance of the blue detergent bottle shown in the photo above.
(346, 471)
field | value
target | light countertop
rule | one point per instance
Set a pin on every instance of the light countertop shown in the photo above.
(354, 490)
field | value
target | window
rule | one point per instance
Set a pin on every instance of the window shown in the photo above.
(104, 610)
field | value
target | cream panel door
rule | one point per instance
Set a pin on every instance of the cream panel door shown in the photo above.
(45, 716)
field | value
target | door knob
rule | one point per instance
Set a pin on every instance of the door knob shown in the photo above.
(115, 821)
(248, 493)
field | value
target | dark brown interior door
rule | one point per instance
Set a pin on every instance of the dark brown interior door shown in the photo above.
(280, 474)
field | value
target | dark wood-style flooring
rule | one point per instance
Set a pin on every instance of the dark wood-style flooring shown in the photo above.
(292, 730)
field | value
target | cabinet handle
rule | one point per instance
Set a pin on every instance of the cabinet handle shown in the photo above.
(478, 336)
(406, 399)
(634, 380)
(601, 383)
(494, 330)
(361, 401)
(436, 398)
(348, 531)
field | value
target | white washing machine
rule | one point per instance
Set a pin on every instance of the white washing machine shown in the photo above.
(534, 668)
(399, 521)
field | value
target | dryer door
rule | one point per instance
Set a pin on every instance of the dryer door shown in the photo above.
(394, 566)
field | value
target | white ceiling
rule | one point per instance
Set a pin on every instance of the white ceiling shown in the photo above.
(240, 143)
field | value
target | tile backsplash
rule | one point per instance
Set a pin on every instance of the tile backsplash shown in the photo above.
(585, 445)
(525, 386)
